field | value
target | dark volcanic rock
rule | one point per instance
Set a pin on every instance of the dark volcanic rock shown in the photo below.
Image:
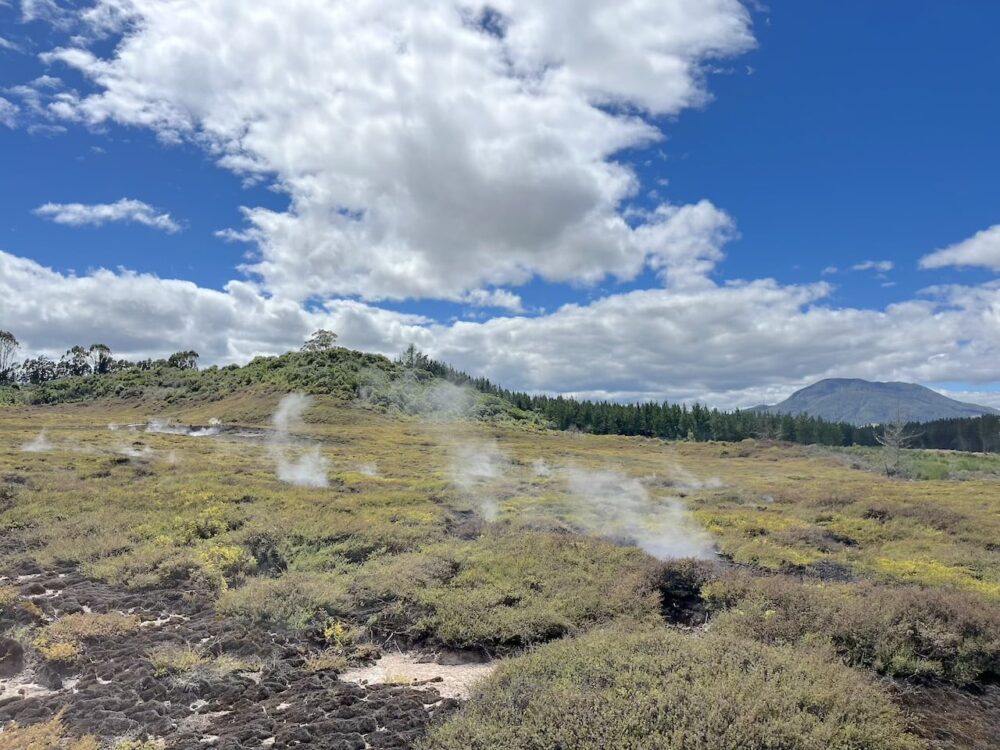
(116, 690)
(11, 658)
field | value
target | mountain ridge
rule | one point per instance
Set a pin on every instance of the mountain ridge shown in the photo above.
(860, 402)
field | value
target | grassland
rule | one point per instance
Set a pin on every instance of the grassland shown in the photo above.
(407, 544)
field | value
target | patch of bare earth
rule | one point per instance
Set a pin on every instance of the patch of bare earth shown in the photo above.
(452, 676)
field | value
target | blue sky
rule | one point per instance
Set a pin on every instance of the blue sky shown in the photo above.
(828, 135)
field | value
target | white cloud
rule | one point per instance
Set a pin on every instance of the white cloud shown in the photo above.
(142, 315)
(125, 210)
(8, 113)
(882, 266)
(730, 345)
(980, 398)
(9, 45)
(45, 10)
(425, 156)
(502, 298)
(982, 249)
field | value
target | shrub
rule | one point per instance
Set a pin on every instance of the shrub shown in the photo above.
(900, 631)
(8, 599)
(657, 688)
(63, 640)
(185, 660)
(506, 590)
(327, 661)
(175, 659)
(49, 735)
(295, 600)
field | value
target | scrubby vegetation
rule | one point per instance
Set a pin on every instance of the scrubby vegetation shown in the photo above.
(901, 631)
(416, 384)
(49, 735)
(652, 688)
(828, 573)
(63, 640)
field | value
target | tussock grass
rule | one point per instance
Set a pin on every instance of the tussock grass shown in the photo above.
(63, 640)
(184, 661)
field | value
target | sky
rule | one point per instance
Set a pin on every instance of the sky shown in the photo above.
(705, 200)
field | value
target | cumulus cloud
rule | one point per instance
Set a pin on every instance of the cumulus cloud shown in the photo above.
(141, 315)
(434, 150)
(125, 210)
(502, 298)
(982, 249)
(429, 149)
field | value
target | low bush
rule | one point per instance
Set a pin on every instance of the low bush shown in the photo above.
(63, 640)
(48, 735)
(327, 661)
(900, 631)
(175, 659)
(506, 590)
(295, 600)
(8, 599)
(658, 688)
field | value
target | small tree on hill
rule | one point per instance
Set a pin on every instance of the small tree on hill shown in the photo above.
(184, 360)
(321, 341)
(413, 358)
(8, 350)
(100, 359)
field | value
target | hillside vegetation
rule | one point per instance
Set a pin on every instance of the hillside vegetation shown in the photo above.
(416, 384)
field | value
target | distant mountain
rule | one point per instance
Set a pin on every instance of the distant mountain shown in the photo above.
(863, 402)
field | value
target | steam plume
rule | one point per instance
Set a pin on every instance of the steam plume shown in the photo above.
(475, 466)
(309, 467)
(612, 504)
(39, 445)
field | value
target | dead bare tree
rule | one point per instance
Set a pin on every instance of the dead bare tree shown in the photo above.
(895, 438)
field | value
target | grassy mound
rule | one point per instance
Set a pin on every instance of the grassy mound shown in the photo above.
(663, 689)
(341, 373)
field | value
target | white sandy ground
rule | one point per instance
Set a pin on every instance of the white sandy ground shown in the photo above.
(405, 668)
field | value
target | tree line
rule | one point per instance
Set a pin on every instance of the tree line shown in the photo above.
(701, 423)
(96, 359)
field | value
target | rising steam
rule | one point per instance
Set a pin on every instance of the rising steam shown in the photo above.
(475, 466)
(305, 467)
(613, 505)
(39, 445)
